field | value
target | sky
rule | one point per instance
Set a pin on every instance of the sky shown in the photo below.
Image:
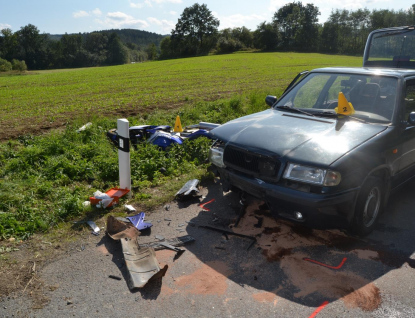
(158, 16)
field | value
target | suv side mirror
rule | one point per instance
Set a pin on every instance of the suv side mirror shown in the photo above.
(411, 119)
(271, 100)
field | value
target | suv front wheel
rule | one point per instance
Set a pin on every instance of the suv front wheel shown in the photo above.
(368, 206)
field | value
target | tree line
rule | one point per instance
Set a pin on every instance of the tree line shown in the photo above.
(28, 47)
(294, 27)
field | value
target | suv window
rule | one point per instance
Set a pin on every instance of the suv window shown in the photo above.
(409, 98)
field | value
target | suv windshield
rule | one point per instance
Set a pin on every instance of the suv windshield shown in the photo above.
(373, 97)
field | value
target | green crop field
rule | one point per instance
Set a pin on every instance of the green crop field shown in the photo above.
(47, 99)
(44, 178)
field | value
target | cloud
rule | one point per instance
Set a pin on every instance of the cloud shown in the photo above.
(119, 20)
(167, 1)
(97, 12)
(239, 20)
(5, 26)
(173, 13)
(139, 5)
(149, 3)
(80, 14)
(166, 26)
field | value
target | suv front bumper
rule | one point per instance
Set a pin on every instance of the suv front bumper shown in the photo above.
(285, 202)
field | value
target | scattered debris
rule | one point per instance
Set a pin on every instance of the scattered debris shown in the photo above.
(163, 136)
(109, 198)
(115, 277)
(227, 232)
(120, 218)
(130, 208)
(325, 265)
(178, 251)
(202, 205)
(180, 225)
(87, 125)
(167, 207)
(189, 188)
(241, 213)
(118, 230)
(167, 220)
(160, 237)
(86, 203)
(141, 263)
(178, 241)
(138, 221)
(94, 227)
(220, 248)
(260, 221)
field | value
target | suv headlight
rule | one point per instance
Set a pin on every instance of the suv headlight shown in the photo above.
(312, 175)
(216, 156)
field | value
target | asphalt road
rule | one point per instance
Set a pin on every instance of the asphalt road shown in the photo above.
(290, 271)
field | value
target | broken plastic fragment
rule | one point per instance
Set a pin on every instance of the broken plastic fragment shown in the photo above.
(87, 125)
(189, 188)
(94, 227)
(129, 208)
(138, 221)
(160, 237)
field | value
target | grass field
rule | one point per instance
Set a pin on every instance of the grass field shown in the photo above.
(44, 178)
(43, 100)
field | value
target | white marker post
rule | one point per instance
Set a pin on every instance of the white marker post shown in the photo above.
(124, 154)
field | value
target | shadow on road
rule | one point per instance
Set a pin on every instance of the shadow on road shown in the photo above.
(303, 265)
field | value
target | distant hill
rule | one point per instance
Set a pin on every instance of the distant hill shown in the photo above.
(138, 37)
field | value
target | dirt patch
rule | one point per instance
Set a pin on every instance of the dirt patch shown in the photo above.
(312, 278)
(210, 279)
(19, 270)
(367, 298)
(367, 254)
(265, 297)
(103, 249)
(276, 254)
(277, 238)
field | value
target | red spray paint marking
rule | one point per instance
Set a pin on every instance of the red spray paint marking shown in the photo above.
(320, 308)
(202, 205)
(325, 265)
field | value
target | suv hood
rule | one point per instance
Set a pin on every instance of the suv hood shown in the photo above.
(305, 138)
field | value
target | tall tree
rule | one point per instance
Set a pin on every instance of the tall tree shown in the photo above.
(298, 26)
(32, 46)
(266, 36)
(117, 52)
(195, 28)
(8, 44)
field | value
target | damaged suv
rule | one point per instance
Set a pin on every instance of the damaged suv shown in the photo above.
(335, 144)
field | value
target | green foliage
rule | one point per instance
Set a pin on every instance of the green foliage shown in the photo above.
(195, 31)
(19, 65)
(5, 66)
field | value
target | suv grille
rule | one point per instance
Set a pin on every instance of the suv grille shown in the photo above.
(250, 162)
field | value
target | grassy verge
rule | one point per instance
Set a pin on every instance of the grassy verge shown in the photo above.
(45, 179)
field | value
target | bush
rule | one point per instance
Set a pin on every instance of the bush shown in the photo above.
(5, 65)
(19, 65)
(225, 45)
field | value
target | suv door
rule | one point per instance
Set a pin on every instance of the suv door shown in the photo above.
(407, 164)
